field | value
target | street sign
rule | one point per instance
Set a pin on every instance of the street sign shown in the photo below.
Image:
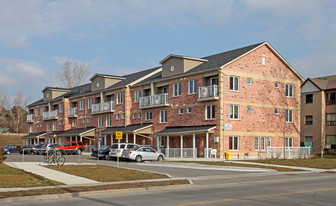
(119, 135)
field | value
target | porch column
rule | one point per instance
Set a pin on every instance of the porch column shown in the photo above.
(30, 141)
(158, 143)
(38, 140)
(181, 145)
(126, 137)
(70, 138)
(167, 153)
(194, 146)
(76, 138)
(207, 145)
(81, 138)
(134, 138)
(111, 139)
(105, 139)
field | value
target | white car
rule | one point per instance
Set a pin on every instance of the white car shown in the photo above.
(117, 149)
(143, 153)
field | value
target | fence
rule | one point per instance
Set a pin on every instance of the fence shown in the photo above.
(176, 152)
(288, 152)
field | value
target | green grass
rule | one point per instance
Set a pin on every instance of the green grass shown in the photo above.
(11, 177)
(105, 173)
(325, 163)
(10, 140)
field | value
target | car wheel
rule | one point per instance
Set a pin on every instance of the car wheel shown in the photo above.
(138, 158)
(8, 152)
(160, 158)
(107, 157)
(79, 151)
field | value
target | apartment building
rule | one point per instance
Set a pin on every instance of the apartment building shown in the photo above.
(318, 117)
(243, 101)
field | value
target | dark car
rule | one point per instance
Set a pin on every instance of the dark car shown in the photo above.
(35, 148)
(46, 147)
(26, 149)
(103, 152)
(11, 149)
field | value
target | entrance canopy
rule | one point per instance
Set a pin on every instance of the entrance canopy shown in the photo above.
(34, 135)
(186, 130)
(133, 129)
(81, 132)
(53, 134)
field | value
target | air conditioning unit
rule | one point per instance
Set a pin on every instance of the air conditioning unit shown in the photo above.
(327, 146)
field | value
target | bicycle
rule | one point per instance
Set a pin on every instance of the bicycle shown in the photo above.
(53, 156)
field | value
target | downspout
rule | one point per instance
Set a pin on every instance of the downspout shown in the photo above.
(223, 89)
(125, 108)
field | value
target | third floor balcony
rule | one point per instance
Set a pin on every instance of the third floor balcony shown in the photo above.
(208, 93)
(50, 115)
(30, 118)
(154, 101)
(73, 112)
(104, 107)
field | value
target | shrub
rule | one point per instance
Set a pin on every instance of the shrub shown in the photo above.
(2, 157)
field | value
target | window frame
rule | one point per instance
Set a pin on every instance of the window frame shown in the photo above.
(89, 103)
(100, 122)
(189, 110)
(262, 143)
(276, 111)
(232, 145)
(256, 143)
(232, 111)
(61, 107)
(309, 122)
(289, 116)
(234, 82)
(211, 115)
(180, 111)
(289, 90)
(249, 81)
(108, 121)
(81, 104)
(119, 98)
(177, 90)
(163, 116)
(263, 60)
(289, 140)
(192, 86)
(148, 116)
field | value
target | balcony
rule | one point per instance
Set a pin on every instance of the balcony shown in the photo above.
(30, 118)
(154, 101)
(50, 115)
(72, 112)
(104, 107)
(208, 93)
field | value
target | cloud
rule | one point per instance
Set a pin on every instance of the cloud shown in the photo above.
(17, 68)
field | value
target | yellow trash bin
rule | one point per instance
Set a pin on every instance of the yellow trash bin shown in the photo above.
(228, 155)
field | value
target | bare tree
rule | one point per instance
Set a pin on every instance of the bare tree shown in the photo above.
(4, 104)
(73, 73)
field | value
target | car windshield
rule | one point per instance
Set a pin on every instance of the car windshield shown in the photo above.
(115, 146)
(104, 147)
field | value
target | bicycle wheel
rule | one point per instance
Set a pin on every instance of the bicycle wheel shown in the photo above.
(51, 159)
(61, 161)
(46, 158)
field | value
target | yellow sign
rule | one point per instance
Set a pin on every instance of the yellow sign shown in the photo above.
(119, 135)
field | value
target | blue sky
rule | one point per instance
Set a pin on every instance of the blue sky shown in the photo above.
(125, 36)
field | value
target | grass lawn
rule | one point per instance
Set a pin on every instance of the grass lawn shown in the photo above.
(326, 163)
(10, 139)
(279, 169)
(11, 177)
(105, 173)
(90, 188)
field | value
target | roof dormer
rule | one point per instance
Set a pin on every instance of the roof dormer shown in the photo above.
(176, 64)
(103, 81)
(50, 93)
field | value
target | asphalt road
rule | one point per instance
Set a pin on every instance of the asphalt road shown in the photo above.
(217, 187)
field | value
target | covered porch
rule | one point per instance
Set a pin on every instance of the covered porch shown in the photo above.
(51, 138)
(185, 141)
(33, 138)
(85, 135)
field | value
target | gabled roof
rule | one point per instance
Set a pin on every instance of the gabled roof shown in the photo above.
(128, 129)
(34, 135)
(76, 132)
(106, 76)
(186, 130)
(323, 83)
(56, 88)
(182, 57)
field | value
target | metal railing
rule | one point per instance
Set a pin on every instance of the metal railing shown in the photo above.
(103, 107)
(208, 92)
(30, 117)
(288, 152)
(50, 115)
(176, 152)
(72, 112)
(156, 100)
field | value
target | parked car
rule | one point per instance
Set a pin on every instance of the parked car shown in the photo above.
(35, 148)
(26, 149)
(143, 153)
(103, 152)
(46, 147)
(117, 149)
(11, 149)
(71, 147)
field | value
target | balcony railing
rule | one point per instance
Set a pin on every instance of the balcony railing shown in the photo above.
(30, 118)
(208, 93)
(154, 101)
(104, 107)
(50, 115)
(331, 102)
(72, 112)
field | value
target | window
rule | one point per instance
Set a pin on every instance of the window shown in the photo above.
(42, 111)
(214, 81)
(249, 109)
(163, 116)
(331, 140)
(234, 112)
(180, 111)
(108, 121)
(81, 104)
(263, 60)
(308, 138)
(133, 116)
(31, 128)
(161, 141)
(90, 103)
(177, 89)
(262, 144)
(117, 117)
(289, 90)
(123, 116)
(331, 98)
(189, 110)
(36, 112)
(233, 143)
(331, 119)
(289, 116)
(59, 123)
(139, 115)
(100, 122)
(193, 87)
(269, 142)
(48, 126)
(119, 98)
(210, 112)
(309, 98)
(54, 126)
(74, 123)
(276, 111)
(137, 95)
(234, 83)
(148, 116)
(289, 141)
(87, 120)
(309, 119)
(61, 107)
(256, 143)
(277, 85)
(249, 81)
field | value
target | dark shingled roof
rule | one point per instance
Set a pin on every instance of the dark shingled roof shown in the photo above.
(214, 62)
(53, 134)
(34, 135)
(325, 83)
(185, 129)
(75, 132)
(127, 129)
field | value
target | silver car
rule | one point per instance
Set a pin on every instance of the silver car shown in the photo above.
(117, 149)
(143, 153)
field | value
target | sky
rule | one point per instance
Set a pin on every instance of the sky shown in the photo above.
(119, 37)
